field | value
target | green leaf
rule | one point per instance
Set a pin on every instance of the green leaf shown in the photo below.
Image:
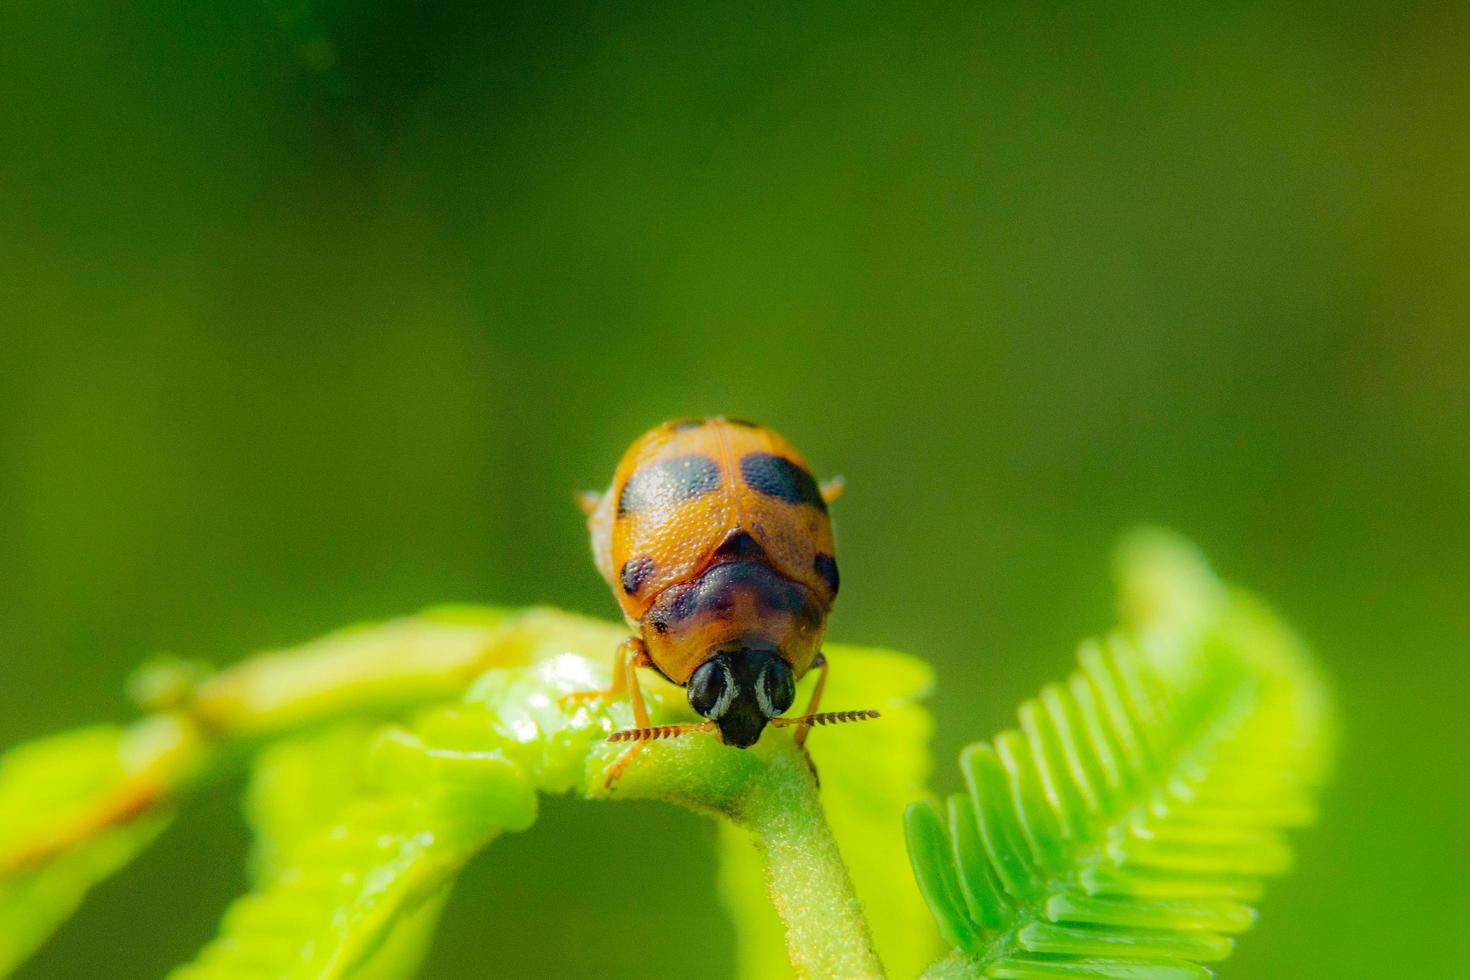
(298, 787)
(75, 808)
(1120, 831)
(359, 896)
(72, 812)
(361, 829)
(381, 668)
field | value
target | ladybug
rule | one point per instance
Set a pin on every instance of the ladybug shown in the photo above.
(715, 538)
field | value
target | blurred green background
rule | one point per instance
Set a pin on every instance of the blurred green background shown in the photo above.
(319, 313)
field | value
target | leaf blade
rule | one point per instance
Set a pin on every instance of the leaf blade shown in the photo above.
(74, 809)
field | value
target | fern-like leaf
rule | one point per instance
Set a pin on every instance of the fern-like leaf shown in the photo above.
(1123, 828)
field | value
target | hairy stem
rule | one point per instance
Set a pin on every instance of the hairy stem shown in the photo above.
(826, 933)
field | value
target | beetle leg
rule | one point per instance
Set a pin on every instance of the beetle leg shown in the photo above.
(620, 675)
(624, 679)
(811, 708)
(629, 681)
(615, 770)
(832, 489)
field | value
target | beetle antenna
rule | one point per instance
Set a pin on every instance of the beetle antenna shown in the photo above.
(826, 718)
(659, 731)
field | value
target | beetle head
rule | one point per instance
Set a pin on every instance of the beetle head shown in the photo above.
(740, 689)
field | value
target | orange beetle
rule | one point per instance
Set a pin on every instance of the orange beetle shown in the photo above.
(715, 538)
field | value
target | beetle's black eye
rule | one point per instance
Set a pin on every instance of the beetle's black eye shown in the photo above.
(711, 688)
(777, 687)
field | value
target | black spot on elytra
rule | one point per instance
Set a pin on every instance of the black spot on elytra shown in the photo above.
(739, 544)
(826, 566)
(635, 572)
(668, 482)
(778, 477)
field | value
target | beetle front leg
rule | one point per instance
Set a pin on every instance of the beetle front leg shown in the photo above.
(632, 649)
(811, 708)
(632, 654)
(628, 678)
